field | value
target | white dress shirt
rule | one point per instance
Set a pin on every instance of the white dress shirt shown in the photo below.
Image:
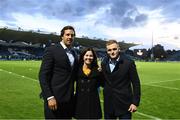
(69, 53)
(112, 63)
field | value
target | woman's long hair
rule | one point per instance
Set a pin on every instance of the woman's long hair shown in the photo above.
(94, 62)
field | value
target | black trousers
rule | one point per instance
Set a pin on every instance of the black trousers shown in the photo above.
(125, 116)
(64, 111)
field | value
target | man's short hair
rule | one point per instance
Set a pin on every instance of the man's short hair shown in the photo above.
(67, 28)
(109, 42)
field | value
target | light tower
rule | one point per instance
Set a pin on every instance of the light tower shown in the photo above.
(152, 44)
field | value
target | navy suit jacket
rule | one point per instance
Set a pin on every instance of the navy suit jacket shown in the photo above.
(56, 75)
(121, 87)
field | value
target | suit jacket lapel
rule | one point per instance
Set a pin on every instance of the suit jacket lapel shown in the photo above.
(106, 65)
(118, 64)
(75, 56)
(67, 59)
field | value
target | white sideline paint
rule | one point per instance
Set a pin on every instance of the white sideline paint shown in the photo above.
(148, 84)
(149, 116)
(162, 81)
(32, 79)
(162, 86)
(142, 114)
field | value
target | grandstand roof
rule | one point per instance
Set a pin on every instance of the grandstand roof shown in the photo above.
(36, 39)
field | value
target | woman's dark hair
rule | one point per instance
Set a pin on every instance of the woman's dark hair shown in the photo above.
(67, 28)
(94, 62)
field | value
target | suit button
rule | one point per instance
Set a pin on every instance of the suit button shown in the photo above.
(88, 81)
(82, 90)
(82, 81)
(88, 90)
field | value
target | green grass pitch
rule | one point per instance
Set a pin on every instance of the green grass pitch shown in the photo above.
(19, 90)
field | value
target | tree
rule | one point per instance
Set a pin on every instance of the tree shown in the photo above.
(159, 52)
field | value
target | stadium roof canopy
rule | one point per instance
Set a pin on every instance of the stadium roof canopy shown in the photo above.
(34, 39)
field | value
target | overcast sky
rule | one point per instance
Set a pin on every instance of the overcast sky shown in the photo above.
(134, 21)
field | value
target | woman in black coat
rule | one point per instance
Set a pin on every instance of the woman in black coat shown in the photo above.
(87, 97)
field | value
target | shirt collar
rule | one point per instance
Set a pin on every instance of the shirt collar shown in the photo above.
(114, 61)
(63, 45)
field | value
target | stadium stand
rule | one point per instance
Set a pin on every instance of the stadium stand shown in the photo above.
(20, 51)
(28, 45)
(174, 57)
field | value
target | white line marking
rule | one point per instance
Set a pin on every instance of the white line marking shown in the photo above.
(19, 75)
(172, 88)
(149, 116)
(143, 114)
(163, 81)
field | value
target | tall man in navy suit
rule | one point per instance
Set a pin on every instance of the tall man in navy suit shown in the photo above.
(57, 75)
(121, 84)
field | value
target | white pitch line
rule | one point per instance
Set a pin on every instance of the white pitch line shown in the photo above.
(143, 114)
(19, 75)
(162, 81)
(149, 116)
(142, 84)
(172, 88)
